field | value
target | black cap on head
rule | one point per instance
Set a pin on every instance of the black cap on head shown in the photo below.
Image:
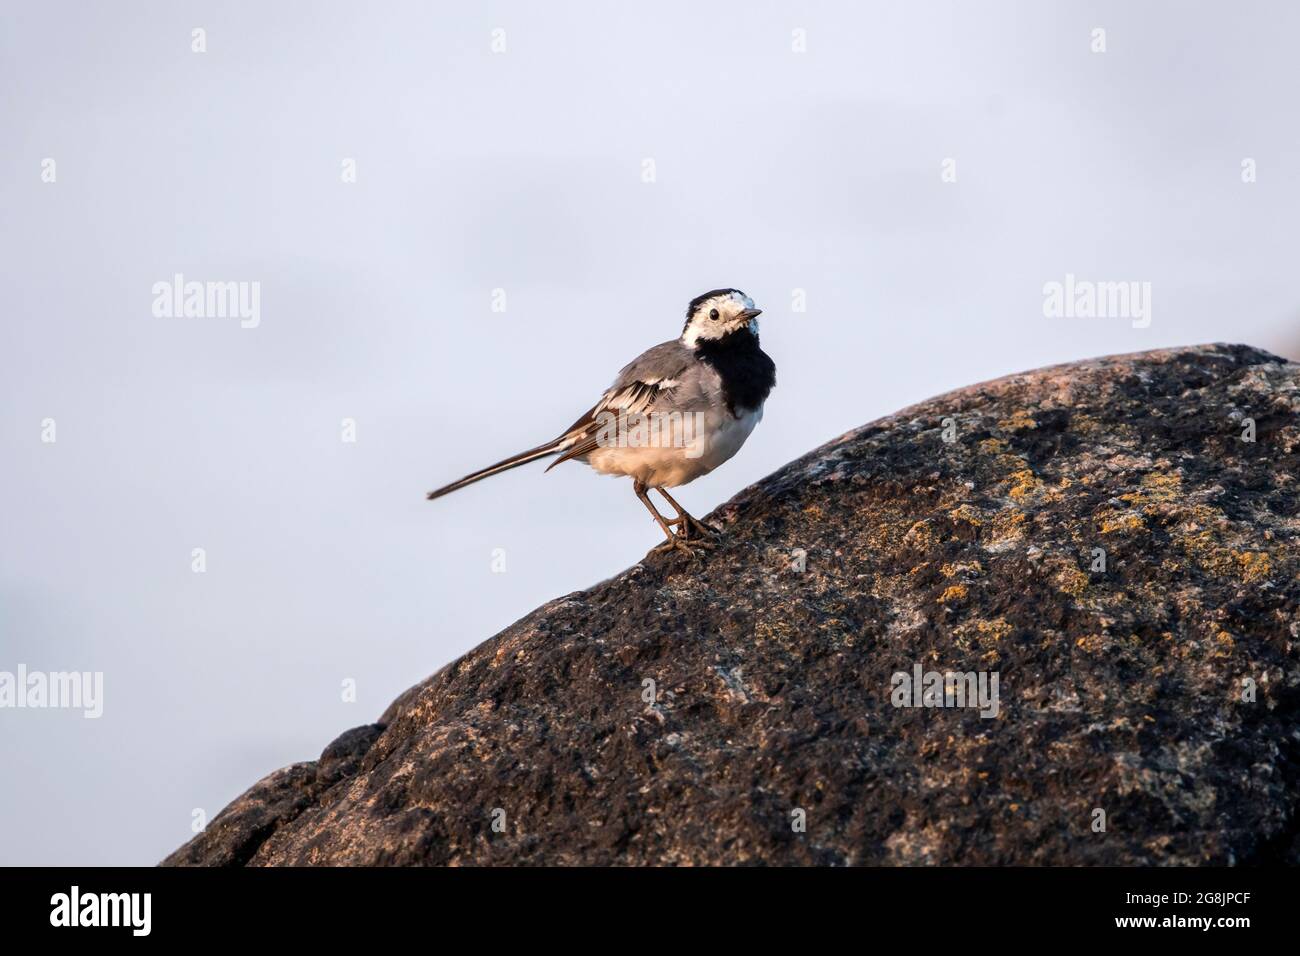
(699, 300)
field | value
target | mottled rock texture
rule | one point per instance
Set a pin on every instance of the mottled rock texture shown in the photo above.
(1120, 690)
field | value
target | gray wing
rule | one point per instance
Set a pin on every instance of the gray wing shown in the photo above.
(666, 377)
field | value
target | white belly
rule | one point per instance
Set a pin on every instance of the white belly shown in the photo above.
(713, 438)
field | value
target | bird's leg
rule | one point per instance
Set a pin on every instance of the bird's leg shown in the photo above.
(690, 525)
(674, 542)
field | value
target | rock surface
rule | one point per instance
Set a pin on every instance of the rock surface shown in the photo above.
(1162, 690)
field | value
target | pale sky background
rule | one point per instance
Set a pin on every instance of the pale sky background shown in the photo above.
(775, 170)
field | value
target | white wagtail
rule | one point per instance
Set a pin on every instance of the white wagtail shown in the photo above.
(675, 413)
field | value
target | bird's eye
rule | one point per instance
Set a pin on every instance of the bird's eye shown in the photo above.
(713, 314)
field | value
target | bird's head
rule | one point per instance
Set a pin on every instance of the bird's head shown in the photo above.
(719, 313)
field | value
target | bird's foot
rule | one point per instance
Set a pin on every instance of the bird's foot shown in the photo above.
(679, 542)
(692, 528)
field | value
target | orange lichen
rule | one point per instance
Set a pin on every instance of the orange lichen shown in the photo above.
(1072, 581)
(1009, 525)
(1203, 545)
(956, 592)
(985, 632)
(1156, 488)
(1020, 420)
(1092, 643)
(1026, 484)
(1113, 521)
(920, 535)
(1254, 565)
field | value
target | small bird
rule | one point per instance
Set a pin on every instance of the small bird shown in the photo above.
(676, 412)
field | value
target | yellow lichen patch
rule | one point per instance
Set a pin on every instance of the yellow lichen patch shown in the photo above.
(1120, 521)
(966, 513)
(921, 535)
(1072, 581)
(986, 633)
(956, 592)
(1156, 488)
(1197, 517)
(1091, 644)
(1058, 492)
(814, 512)
(992, 631)
(1195, 535)
(1009, 525)
(1223, 644)
(961, 567)
(1254, 565)
(1202, 545)
(993, 446)
(1024, 484)
(885, 533)
(1020, 421)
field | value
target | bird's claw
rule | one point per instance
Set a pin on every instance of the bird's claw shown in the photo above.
(694, 526)
(678, 543)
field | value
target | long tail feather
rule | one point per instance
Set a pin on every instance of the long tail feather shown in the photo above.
(514, 461)
(581, 446)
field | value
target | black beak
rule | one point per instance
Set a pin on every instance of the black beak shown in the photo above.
(749, 314)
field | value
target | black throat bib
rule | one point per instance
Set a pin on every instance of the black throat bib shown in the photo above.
(747, 373)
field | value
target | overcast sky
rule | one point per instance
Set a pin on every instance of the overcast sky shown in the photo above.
(920, 171)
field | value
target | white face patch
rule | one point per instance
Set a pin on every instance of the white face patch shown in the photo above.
(729, 306)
